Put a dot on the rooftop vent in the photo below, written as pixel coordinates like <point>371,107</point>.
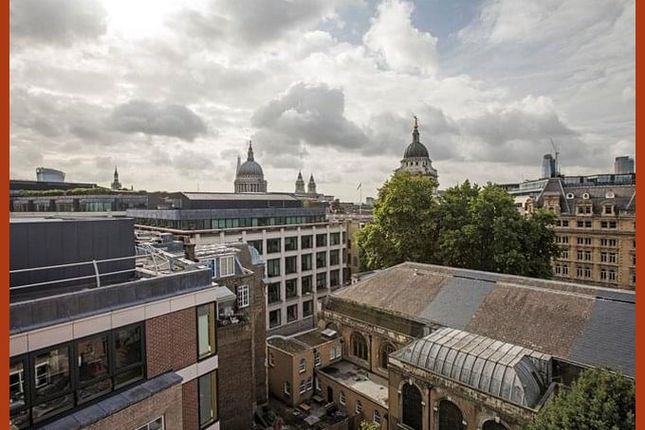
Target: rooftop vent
<point>329,333</point>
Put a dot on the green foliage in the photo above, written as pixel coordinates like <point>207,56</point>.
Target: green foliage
<point>467,226</point>
<point>370,425</point>
<point>599,400</point>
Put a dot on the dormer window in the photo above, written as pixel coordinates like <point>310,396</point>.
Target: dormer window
<point>227,266</point>
<point>608,210</point>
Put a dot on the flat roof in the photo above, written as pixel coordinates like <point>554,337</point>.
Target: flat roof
<point>314,338</point>
<point>287,344</point>
<point>238,196</point>
<point>360,380</point>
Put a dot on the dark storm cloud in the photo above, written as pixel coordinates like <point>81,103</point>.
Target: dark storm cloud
<point>56,22</point>
<point>312,114</point>
<point>139,116</point>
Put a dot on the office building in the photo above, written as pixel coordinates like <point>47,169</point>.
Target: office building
<point>303,251</point>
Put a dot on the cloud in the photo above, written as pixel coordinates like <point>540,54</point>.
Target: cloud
<point>308,113</point>
<point>139,116</point>
<point>403,47</point>
<point>56,22</point>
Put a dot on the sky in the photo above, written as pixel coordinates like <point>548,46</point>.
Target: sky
<point>171,92</point>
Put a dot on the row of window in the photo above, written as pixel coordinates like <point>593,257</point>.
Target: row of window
<point>291,243</point>
<point>274,289</point>
<point>222,224</point>
<point>588,241</point>
<point>274,266</point>
<point>275,316</point>
<point>585,272</point>
<point>47,382</point>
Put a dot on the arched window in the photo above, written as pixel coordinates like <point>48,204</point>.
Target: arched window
<point>492,425</point>
<point>450,417</point>
<point>359,346</point>
<point>411,413</point>
<point>386,349</point>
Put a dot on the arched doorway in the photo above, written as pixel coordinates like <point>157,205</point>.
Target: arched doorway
<point>492,425</point>
<point>450,417</point>
<point>411,409</point>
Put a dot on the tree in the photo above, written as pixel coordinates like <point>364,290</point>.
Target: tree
<point>404,223</point>
<point>467,226</point>
<point>370,425</point>
<point>598,400</point>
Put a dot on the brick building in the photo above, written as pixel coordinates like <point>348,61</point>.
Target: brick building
<point>596,225</point>
<point>102,336</point>
<point>436,348</point>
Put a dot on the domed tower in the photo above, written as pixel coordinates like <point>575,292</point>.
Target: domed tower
<point>416,159</point>
<point>116,185</point>
<point>311,186</point>
<point>300,184</point>
<point>249,177</point>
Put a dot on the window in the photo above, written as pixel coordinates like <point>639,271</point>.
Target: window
<point>205,330</point>
<point>608,209</point>
<point>341,398</point>
<point>580,254</point>
<point>358,408</point>
<point>612,257</point>
<point>584,210</point>
<point>306,284</point>
<point>587,224</point>
<point>207,387</point>
<point>558,269</point>
<point>562,239</point>
<point>286,388</point>
<point>386,349</point>
<point>321,259</point>
<point>335,352</point>
<point>565,223</point>
<point>603,274</point>
<point>291,243</point>
<point>305,262</point>
<point>271,359</point>
<point>612,275</point>
<point>274,292</point>
<point>242,296</point>
<point>321,240</point>
<point>227,266</point>
<point>157,424</point>
<point>317,360</point>
<point>377,416</point>
<point>307,308</point>
<point>359,346</point>
<point>273,267</point>
<point>292,313</point>
<point>128,345</point>
<point>587,272</point>
<point>306,242</point>
<point>302,366</point>
<point>334,278</point>
<point>291,265</point>
<point>274,318</point>
<point>611,243</point>
<point>334,257</point>
<point>17,387</point>
<point>587,255</point>
<point>321,280</point>
<point>564,254</point>
<point>274,245</point>
<point>565,270</point>
<point>291,287</point>
<point>302,388</point>
<point>334,239</point>
<point>257,244</point>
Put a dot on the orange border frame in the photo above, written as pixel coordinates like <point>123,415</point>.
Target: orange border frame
<point>4,232</point>
<point>640,207</point>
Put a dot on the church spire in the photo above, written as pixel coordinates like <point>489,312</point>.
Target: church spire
<point>249,156</point>
<point>300,183</point>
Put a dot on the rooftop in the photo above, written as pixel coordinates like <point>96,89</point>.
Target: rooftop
<point>287,344</point>
<point>360,380</point>
<point>504,370</point>
<point>579,323</point>
<point>315,338</point>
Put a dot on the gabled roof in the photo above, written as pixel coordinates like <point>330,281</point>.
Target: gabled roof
<point>590,325</point>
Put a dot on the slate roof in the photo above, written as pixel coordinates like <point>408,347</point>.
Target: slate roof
<point>584,324</point>
<point>498,368</point>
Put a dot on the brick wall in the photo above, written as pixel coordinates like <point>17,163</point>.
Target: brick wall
<point>166,403</point>
<point>190,406</point>
<point>171,342</point>
<point>236,381</point>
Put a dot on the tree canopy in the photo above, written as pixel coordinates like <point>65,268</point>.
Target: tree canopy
<point>598,400</point>
<point>467,226</point>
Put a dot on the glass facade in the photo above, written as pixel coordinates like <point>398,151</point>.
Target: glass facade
<point>206,320</point>
<point>48,382</point>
